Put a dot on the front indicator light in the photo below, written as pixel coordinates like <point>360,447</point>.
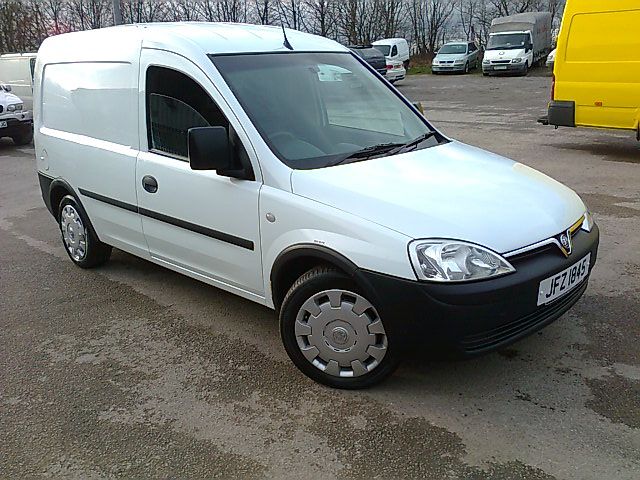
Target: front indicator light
<point>455,261</point>
<point>587,221</point>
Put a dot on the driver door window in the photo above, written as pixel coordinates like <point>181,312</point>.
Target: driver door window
<point>176,103</point>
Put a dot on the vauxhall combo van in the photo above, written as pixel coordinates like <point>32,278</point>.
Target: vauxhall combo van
<point>284,169</point>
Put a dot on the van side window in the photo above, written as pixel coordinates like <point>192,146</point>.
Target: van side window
<point>176,103</point>
<point>394,51</point>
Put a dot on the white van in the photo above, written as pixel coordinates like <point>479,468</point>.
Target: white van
<point>299,179</point>
<point>16,70</point>
<point>394,49</point>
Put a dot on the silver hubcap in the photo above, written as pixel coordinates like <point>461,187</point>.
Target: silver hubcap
<point>74,234</point>
<point>340,333</point>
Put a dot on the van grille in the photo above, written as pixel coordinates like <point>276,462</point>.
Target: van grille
<point>500,61</point>
<point>520,327</point>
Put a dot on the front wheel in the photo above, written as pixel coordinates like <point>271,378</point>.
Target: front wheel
<point>466,67</point>
<point>333,333</point>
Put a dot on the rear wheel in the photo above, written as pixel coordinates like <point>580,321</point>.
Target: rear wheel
<point>466,67</point>
<point>333,333</point>
<point>80,243</point>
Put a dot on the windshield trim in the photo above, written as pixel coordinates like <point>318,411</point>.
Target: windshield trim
<point>275,52</point>
<point>264,137</point>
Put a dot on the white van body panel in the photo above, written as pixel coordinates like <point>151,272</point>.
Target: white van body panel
<point>88,112</point>
<point>400,43</point>
<point>16,71</point>
<point>394,191</point>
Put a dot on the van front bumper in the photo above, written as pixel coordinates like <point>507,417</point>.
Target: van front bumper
<point>477,317</point>
<point>505,68</point>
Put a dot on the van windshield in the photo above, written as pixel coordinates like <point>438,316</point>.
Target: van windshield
<point>384,49</point>
<point>507,41</point>
<point>320,109</point>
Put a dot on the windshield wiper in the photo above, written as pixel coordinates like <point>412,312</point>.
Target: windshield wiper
<point>367,152</point>
<point>413,143</point>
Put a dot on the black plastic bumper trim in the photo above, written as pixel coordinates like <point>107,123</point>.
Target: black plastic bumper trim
<point>223,237</point>
<point>476,317</point>
<point>562,113</point>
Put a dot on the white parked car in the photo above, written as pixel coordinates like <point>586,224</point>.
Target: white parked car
<point>395,71</point>
<point>291,174</point>
<point>15,122</point>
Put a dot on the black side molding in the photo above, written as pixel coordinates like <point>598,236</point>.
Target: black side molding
<point>223,237</point>
<point>110,201</point>
<point>562,113</point>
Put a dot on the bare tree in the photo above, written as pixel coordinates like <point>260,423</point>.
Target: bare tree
<point>143,11</point>
<point>429,19</point>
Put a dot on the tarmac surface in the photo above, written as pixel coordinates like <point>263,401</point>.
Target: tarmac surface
<point>133,371</point>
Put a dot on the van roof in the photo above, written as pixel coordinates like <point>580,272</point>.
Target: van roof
<point>384,41</point>
<point>187,38</point>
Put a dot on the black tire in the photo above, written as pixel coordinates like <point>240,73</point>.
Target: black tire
<point>24,139</point>
<point>96,252</point>
<point>466,67</point>
<point>311,283</point>
<point>526,69</point>
<point>485,74</point>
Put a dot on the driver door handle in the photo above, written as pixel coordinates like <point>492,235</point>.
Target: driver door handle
<point>150,184</point>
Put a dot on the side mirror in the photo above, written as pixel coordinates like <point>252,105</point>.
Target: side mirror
<point>7,88</point>
<point>209,149</point>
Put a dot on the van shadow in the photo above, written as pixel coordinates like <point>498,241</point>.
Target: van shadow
<point>611,150</point>
<point>531,363</point>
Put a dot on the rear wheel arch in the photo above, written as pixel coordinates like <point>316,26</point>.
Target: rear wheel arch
<point>60,188</point>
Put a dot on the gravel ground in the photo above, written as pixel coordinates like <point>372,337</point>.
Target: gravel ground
<point>132,371</point>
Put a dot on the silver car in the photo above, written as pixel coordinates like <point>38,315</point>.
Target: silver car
<point>456,57</point>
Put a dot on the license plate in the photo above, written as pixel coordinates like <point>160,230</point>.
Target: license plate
<point>557,285</point>
<point>3,124</point>
<point>501,67</point>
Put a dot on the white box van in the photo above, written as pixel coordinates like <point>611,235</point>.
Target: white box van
<point>16,70</point>
<point>394,49</point>
<point>299,179</point>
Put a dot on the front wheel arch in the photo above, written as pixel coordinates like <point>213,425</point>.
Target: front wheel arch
<point>295,260</point>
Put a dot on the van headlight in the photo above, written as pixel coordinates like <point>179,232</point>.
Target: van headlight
<point>486,61</point>
<point>14,108</point>
<point>455,261</point>
<point>435,62</point>
<point>516,60</point>
<point>459,62</point>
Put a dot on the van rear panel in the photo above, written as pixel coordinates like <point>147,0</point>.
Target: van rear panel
<point>598,63</point>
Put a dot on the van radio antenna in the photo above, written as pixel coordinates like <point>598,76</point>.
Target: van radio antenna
<point>284,32</point>
<point>286,40</point>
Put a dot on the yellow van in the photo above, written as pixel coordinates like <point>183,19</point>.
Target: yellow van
<point>597,66</point>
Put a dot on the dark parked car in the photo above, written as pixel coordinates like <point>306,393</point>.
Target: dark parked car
<point>372,56</point>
